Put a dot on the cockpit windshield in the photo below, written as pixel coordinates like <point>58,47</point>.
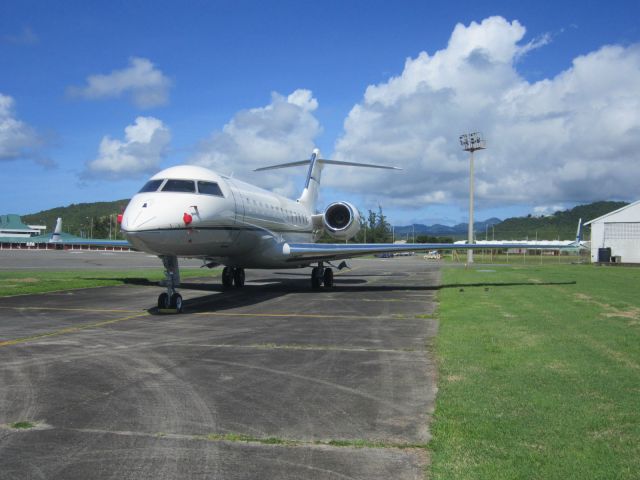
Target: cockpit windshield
<point>187,186</point>
<point>183,186</point>
<point>209,188</point>
<point>151,186</point>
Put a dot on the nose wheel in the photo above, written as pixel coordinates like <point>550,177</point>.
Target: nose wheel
<point>170,302</point>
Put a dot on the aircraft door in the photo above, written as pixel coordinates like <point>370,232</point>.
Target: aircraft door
<point>238,202</point>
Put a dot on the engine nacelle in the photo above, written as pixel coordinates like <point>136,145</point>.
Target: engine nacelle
<point>341,220</point>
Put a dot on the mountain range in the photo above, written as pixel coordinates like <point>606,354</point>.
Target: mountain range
<point>560,225</point>
<point>438,230</point>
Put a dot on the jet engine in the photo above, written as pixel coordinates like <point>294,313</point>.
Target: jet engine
<point>341,220</point>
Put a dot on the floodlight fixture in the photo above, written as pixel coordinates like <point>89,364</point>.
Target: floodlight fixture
<point>470,142</point>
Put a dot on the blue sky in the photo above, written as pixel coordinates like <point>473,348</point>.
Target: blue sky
<point>237,85</point>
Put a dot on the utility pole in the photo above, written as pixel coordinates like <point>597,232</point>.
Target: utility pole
<point>470,142</point>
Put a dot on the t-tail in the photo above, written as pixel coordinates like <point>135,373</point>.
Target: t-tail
<point>579,232</point>
<point>578,243</point>
<point>55,236</point>
<point>309,196</point>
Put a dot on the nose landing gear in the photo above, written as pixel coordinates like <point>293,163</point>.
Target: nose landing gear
<point>171,299</point>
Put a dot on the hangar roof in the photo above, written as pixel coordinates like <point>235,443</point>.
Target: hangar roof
<point>626,207</point>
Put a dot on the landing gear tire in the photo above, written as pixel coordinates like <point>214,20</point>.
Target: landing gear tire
<point>227,277</point>
<point>328,278</point>
<point>316,278</point>
<point>163,301</point>
<point>238,277</point>
<point>176,302</point>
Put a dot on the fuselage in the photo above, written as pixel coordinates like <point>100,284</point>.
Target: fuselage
<point>191,211</point>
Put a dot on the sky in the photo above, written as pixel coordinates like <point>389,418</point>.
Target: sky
<point>97,96</point>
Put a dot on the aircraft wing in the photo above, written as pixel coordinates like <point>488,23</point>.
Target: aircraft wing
<point>338,251</point>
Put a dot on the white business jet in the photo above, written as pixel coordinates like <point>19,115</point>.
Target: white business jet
<point>190,211</point>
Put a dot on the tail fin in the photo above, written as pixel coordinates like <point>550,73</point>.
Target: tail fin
<point>579,232</point>
<point>309,195</point>
<point>55,236</point>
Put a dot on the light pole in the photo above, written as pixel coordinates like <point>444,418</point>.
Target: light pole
<point>470,142</point>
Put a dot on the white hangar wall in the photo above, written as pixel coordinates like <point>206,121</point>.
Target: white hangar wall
<point>620,231</point>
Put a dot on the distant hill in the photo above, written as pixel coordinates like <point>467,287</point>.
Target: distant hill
<point>437,230</point>
<point>561,225</point>
<point>80,219</point>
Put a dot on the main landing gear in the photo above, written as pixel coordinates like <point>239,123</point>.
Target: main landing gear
<point>171,299</point>
<point>232,276</point>
<point>321,275</point>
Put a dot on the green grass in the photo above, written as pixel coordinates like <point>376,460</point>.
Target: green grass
<point>22,425</point>
<point>357,443</point>
<point>239,437</point>
<point>487,257</point>
<point>539,378</point>
<point>19,282</point>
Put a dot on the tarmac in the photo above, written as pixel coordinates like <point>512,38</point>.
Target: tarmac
<point>274,380</point>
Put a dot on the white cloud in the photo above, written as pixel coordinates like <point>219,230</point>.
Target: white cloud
<point>546,210</point>
<point>144,147</point>
<point>141,80</point>
<point>571,138</point>
<point>534,44</point>
<point>280,132</point>
<point>26,37</point>
<point>17,139</point>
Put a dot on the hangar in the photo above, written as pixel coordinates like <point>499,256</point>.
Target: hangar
<point>615,236</point>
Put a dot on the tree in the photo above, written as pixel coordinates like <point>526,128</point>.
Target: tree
<point>430,239</point>
<point>382,227</point>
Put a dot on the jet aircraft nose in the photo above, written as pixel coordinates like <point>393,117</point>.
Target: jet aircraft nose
<point>139,215</point>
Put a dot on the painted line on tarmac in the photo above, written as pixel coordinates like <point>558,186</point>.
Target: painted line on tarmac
<point>330,348</point>
<point>72,309</point>
<point>389,300</point>
<point>285,315</point>
<point>67,330</point>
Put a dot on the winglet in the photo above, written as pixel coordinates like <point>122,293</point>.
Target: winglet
<point>579,232</point>
<point>55,236</point>
<point>579,243</point>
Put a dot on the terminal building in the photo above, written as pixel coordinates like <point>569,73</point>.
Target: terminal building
<point>11,227</point>
<point>615,236</point>
<point>14,234</point>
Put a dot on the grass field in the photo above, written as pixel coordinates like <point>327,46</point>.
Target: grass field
<point>40,281</point>
<point>487,256</point>
<point>539,373</point>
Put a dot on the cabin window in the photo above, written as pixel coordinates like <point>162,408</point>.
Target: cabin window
<point>151,186</point>
<point>186,186</point>
<point>210,188</point>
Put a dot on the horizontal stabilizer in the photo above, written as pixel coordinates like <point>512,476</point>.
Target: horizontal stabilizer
<point>283,165</point>
<point>326,162</point>
<point>309,195</point>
